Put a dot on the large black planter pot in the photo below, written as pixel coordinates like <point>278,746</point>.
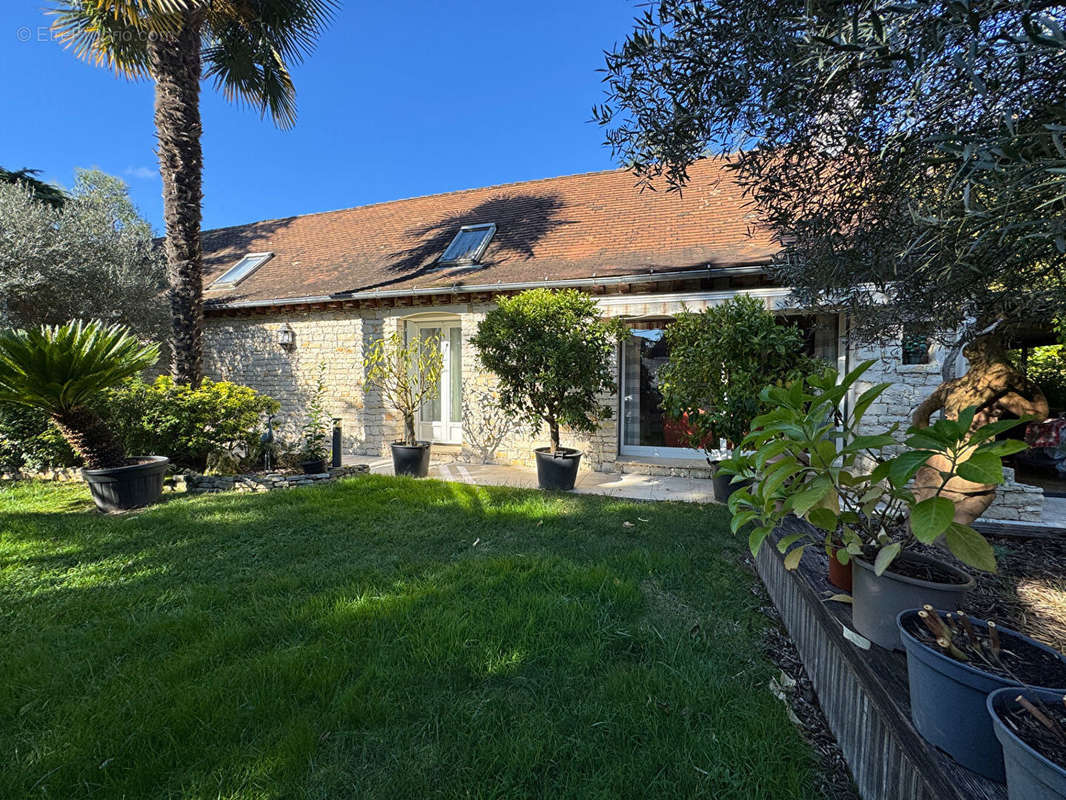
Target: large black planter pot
<point>1030,776</point>
<point>877,600</point>
<point>411,460</point>
<point>314,467</point>
<point>137,484</point>
<point>948,699</point>
<point>724,486</point>
<point>557,471</point>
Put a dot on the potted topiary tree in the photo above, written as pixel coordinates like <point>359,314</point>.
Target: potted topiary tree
<point>407,373</point>
<point>62,370</point>
<point>552,354</point>
<point>720,360</point>
<point>316,429</point>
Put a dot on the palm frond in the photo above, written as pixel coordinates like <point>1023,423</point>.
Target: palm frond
<point>57,368</point>
<point>251,46</point>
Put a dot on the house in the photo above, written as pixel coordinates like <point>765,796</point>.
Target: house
<point>285,295</point>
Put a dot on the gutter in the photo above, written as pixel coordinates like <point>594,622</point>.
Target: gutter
<point>613,280</point>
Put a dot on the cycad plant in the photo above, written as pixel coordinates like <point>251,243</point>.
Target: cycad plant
<point>246,48</point>
<point>61,369</point>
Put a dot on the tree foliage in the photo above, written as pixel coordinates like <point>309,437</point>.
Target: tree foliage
<point>407,374</point>
<point>91,257</point>
<point>552,355</point>
<point>45,192</point>
<point>903,152</point>
<point>720,360</point>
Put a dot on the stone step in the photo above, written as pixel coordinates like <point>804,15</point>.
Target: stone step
<point>666,468</point>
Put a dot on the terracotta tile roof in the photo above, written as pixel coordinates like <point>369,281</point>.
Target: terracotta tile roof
<point>574,226</point>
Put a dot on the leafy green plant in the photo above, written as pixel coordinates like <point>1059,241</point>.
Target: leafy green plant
<point>407,373</point>
<point>63,369</point>
<point>29,440</point>
<point>720,360</point>
<point>316,428</point>
<point>808,459</point>
<point>552,356</point>
<point>185,424</point>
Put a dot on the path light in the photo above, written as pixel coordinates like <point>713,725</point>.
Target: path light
<point>286,336</point>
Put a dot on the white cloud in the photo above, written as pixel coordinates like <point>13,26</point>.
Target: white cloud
<point>141,173</point>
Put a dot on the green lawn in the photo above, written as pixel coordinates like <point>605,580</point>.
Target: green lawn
<point>359,641</point>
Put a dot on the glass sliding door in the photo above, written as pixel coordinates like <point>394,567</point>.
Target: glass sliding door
<point>441,418</point>
<point>646,430</point>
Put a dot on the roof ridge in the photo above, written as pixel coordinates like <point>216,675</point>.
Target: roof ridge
<point>427,197</point>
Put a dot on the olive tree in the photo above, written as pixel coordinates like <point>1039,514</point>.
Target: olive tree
<point>89,257</point>
<point>553,357</point>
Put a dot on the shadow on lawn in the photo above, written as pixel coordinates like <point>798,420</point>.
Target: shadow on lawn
<point>351,640</point>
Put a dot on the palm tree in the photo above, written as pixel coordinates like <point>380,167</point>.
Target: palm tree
<point>60,369</point>
<point>246,49</point>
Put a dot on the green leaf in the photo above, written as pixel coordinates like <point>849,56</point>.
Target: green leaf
<point>742,519</point>
<point>885,556</point>
<point>1007,447</point>
<point>787,541</point>
<point>792,560</point>
<point>981,468</point>
<point>970,547</point>
<point>875,442</point>
<point>931,517</point>
<point>823,518</point>
<point>905,465</point>
<point>803,502</point>
<point>757,537</point>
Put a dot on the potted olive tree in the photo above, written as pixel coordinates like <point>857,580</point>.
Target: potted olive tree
<point>853,488</point>
<point>720,360</point>
<point>407,373</point>
<point>552,355</point>
<point>62,370</point>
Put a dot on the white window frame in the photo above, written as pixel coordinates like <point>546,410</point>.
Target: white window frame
<point>476,257</point>
<point>219,283</point>
<point>442,431</point>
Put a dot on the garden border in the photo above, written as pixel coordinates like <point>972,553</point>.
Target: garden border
<point>863,693</point>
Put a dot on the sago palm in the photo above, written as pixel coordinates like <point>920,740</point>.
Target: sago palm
<point>246,48</point>
<point>60,369</point>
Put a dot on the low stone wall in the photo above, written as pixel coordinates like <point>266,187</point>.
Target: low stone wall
<point>1016,501</point>
<point>194,483</point>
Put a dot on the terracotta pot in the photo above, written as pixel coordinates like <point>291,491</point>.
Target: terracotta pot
<point>839,574</point>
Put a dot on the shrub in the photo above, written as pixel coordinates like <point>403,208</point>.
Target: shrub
<point>720,360</point>
<point>552,355</point>
<point>29,440</point>
<point>316,426</point>
<point>185,424</point>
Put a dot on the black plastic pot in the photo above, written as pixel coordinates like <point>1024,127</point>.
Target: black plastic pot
<point>558,471</point>
<point>724,486</point>
<point>1030,776</point>
<point>137,484</point>
<point>411,460</point>
<point>948,700</point>
<point>877,600</point>
<point>314,467</point>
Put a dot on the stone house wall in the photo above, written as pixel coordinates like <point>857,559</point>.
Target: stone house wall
<point>246,350</point>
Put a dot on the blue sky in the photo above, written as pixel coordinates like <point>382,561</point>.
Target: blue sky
<point>401,98</point>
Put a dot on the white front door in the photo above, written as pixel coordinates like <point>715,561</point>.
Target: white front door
<point>441,419</point>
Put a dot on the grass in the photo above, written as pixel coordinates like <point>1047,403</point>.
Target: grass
<point>383,638</point>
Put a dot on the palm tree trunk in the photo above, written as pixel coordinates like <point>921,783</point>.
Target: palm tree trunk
<point>90,438</point>
<point>174,60</point>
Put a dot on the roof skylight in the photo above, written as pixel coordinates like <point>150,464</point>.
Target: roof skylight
<point>242,269</point>
<point>468,245</point>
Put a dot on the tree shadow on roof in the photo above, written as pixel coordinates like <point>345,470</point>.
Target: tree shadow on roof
<point>521,222</point>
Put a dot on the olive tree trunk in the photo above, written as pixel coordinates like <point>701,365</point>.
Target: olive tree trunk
<point>553,430</point>
<point>174,60</point>
<point>409,437</point>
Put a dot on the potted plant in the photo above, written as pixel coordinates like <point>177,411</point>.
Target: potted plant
<point>316,429</point>
<point>407,373</point>
<point>62,371</point>
<point>1031,727</point>
<point>720,360</point>
<point>808,459</point>
<point>953,663</point>
<point>552,355</point>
